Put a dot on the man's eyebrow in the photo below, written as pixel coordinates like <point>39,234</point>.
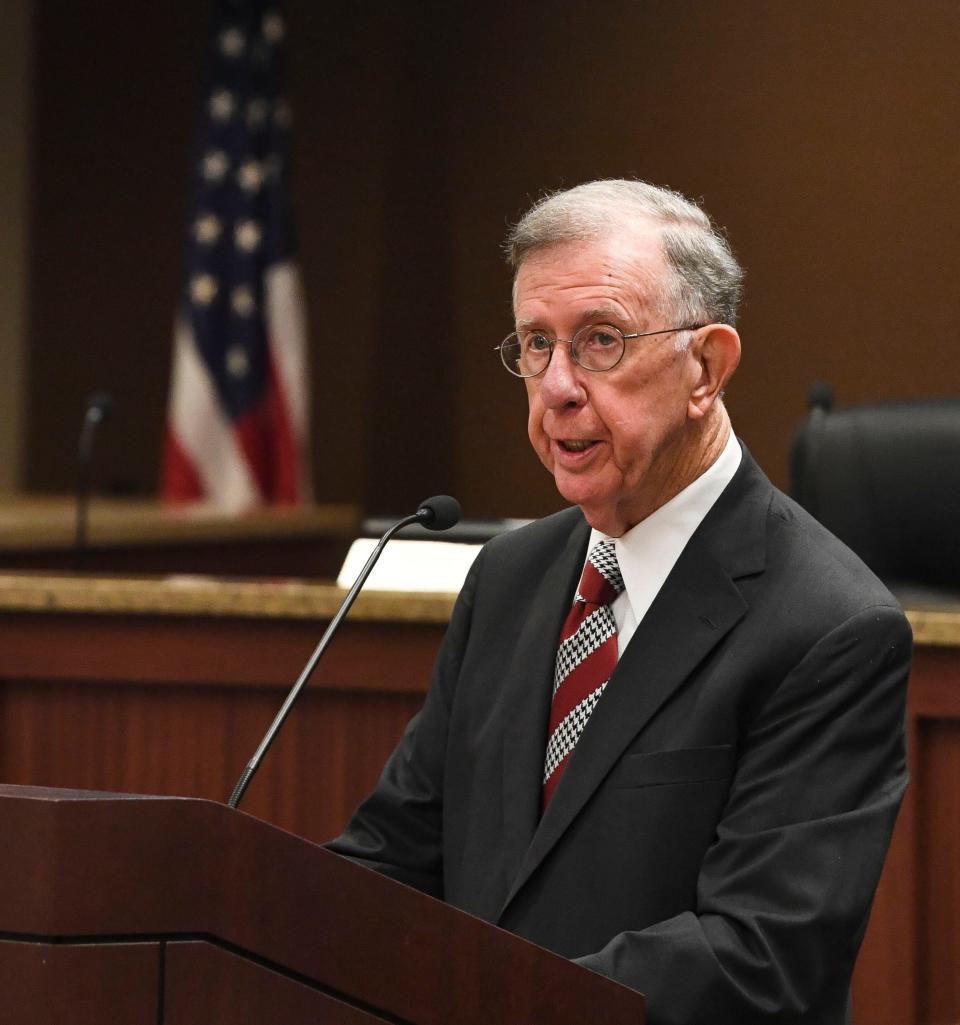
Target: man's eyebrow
<point>525,325</point>
<point>601,315</point>
<point>595,315</point>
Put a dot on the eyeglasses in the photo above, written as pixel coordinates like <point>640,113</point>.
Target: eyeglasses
<point>598,347</point>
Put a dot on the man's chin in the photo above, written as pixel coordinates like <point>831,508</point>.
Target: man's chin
<point>605,520</point>
<point>576,491</point>
<point>598,509</point>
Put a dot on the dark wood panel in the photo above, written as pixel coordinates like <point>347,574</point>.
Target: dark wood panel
<point>908,966</point>
<point>380,657</point>
<point>78,724</point>
<point>938,882</point>
<point>205,984</point>
<point>884,981</point>
<point>935,684</point>
<point>176,705</point>
<point>55,984</point>
<point>159,866</point>
<point>194,742</point>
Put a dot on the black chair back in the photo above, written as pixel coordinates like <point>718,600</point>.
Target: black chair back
<point>885,479</point>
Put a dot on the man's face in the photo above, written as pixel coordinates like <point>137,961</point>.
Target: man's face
<point>614,441</point>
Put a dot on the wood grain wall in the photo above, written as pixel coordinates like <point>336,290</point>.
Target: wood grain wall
<point>175,704</point>
<point>822,135</point>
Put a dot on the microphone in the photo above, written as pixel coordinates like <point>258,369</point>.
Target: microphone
<point>97,407</point>
<point>820,397</point>
<point>438,513</point>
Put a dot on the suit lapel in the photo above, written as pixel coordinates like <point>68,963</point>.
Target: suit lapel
<point>697,606</point>
<point>528,708</point>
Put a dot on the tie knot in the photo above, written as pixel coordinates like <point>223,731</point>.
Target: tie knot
<point>601,581</point>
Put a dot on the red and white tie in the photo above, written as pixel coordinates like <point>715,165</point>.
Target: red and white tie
<point>586,658</point>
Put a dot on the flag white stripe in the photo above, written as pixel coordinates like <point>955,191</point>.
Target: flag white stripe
<point>203,429</point>
<point>288,337</point>
<point>287,331</point>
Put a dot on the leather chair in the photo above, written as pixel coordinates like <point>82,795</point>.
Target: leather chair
<point>885,479</point>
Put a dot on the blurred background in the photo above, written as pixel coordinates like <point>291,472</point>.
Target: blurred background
<point>821,135</point>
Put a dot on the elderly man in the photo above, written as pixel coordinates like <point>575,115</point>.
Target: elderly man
<point>683,770</point>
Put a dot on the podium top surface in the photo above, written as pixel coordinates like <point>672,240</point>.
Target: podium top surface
<point>114,867</point>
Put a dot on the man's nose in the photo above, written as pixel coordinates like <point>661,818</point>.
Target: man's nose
<point>561,384</point>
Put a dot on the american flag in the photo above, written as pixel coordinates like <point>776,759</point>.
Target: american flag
<point>238,407</point>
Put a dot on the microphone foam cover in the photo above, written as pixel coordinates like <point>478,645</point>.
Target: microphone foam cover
<point>439,513</point>
<point>820,396</point>
<point>101,403</point>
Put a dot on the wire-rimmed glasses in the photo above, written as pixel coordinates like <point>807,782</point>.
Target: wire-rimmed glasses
<point>597,347</point>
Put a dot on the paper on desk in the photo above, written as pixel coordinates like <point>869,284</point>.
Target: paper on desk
<point>410,565</point>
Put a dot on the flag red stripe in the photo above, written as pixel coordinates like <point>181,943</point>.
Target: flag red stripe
<point>288,487</point>
<point>180,481</point>
<point>266,439</point>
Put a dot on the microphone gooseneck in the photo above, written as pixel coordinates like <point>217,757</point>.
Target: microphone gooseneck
<point>97,408</point>
<point>438,513</point>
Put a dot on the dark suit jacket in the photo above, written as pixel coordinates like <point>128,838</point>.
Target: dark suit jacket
<point>718,834</point>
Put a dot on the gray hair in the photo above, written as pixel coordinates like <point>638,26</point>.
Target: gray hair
<point>708,281</point>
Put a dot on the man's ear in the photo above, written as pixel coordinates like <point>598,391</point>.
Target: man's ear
<point>716,350</point>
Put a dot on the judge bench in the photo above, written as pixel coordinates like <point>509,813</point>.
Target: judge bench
<point>164,686</point>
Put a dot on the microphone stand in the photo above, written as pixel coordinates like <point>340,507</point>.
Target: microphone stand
<point>427,514</point>
<point>98,409</point>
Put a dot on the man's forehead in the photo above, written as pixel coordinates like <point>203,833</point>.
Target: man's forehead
<point>600,272</point>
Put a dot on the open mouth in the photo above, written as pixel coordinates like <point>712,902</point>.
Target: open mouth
<point>576,445</point>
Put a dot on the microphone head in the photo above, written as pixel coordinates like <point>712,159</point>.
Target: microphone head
<point>98,406</point>
<point>820,396</point>
<point>439,513</point>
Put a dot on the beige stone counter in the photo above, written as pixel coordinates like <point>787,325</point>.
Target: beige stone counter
<point>935,627</point>
<point>291,599</point>
<point>206,596</point>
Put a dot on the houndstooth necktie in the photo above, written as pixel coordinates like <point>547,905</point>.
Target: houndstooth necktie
<point>586,658</point>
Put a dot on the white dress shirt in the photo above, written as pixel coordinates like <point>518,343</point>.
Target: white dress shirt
<point>648,551</point>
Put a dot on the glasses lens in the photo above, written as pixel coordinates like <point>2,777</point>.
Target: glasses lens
<point>526,356</point>
<point>598,347</point>
<point>510,354</point>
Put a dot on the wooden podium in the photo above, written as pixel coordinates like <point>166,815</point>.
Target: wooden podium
<point>117,908</point>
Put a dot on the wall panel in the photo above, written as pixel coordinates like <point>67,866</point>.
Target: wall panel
<point>819,134</point>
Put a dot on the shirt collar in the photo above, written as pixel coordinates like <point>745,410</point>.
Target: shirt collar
<point>648,551</point>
